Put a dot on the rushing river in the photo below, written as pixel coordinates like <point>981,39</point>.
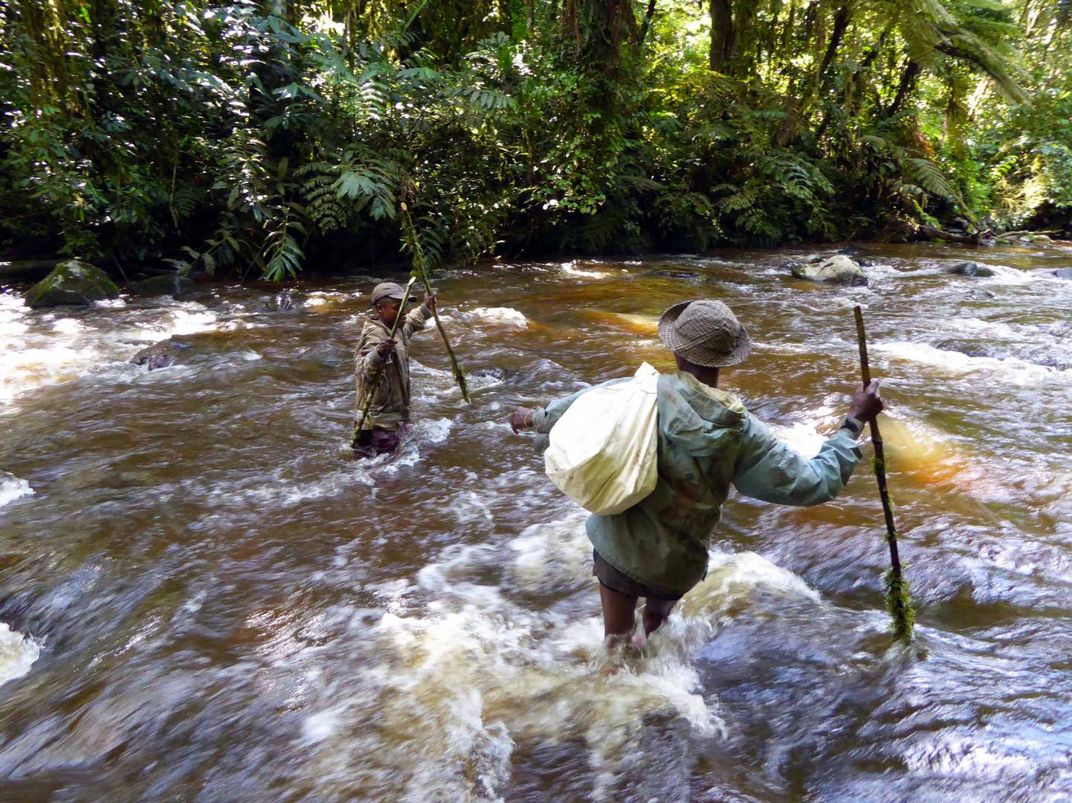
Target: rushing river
<point>202,598</point>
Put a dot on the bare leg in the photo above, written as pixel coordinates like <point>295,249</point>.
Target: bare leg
<point>618,614</point>
<point>656,612</point>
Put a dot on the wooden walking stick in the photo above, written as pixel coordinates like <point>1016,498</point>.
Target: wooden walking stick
<point>898,601</point>
<point>420,270</point>
<point>374,381</point>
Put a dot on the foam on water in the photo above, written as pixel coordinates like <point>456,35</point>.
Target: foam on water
<point>733,575</point>
<point>507,316</point>
<point>326,299</point>
<point>571,269</point>
<point>991,329</point>
<point>1004,275</point>
<point>12,488</point>
<point>17,653</point>
<point>1012,370</point>
<point>41,348</point>
<point>463,676</point>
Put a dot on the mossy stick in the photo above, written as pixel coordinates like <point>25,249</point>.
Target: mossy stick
<point>420,270</point>
<point>898,600</point>
<point>374,380</point>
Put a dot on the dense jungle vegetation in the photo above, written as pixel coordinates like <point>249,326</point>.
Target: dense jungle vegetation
<point>275,136</point>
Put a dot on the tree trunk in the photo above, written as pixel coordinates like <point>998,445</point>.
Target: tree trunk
<point>908,85</point>
<point>721,35</point>
<point>648,15</point>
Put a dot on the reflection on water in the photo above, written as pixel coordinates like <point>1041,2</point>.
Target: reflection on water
<point>205,598</point>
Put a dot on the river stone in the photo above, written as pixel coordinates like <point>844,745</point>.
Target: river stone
<point>497,373</point>
<point>838,269</point>
<point>970,269</point>
<point>688,275</point>
<point>72,282</point>
<point>969,348</point>
<point>171,284</point>
<point>159,355</point>
<point>287,300</point>
<point>1063,273</point>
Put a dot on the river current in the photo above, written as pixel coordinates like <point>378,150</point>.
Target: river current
<point>203,598</point>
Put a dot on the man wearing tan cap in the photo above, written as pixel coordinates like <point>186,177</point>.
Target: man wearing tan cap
<point>384,361</point>
<point>707,441</point>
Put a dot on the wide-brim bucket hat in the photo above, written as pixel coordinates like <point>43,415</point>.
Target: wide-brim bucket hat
<point>705,332</point>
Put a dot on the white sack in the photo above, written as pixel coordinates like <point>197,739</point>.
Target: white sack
<point>604,452</point>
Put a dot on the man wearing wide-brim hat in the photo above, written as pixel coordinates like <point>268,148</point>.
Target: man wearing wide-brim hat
<point>381,362</point>
<point>706,441</point>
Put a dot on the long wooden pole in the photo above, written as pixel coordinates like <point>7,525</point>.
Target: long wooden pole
<point>420,270</point>
<point>374,381</point>
<point>898,601</point>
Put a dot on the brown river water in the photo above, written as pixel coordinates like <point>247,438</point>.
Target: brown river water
<point>202,598</point>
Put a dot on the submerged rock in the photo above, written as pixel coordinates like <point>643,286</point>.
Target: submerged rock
<point>838,269</point>
<point>497,373</point>
<point>285,301</point>
<point>970,269</point>
<point>72,282</point>
<point>667,273</point>
<point>1063,273</point>
<point>171,284</point>
<point>969,348</point>
<point>159,355</point>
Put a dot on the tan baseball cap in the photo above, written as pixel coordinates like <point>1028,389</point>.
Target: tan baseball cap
<point>388,290</point>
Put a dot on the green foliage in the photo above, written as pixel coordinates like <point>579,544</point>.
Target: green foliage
<point>261,136</point>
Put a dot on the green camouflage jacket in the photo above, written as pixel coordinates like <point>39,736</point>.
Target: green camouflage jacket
<point>390,400</point>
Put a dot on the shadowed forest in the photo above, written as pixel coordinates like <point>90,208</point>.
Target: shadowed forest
<point>267,138</point>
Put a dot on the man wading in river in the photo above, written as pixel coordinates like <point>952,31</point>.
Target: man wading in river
<point>384,360</point>
<point>707,440</point>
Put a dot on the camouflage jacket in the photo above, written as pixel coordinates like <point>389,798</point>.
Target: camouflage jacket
<point>390,399</point>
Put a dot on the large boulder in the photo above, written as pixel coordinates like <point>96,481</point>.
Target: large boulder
<point>72,282</point>
<point>970,269</point>
<point>838,269</point>
<point>170,284</point>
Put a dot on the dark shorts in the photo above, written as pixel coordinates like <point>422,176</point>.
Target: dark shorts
<point>616,581</point>
<point>373,442</point>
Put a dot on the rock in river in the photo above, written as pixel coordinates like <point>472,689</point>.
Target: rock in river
<point>838,269</point>
<point>72,282</point>
<point>169,284</point>
<point>159,355</point>
<point>970,269</point>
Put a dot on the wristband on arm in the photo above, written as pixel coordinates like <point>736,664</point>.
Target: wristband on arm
<point>853,425</point>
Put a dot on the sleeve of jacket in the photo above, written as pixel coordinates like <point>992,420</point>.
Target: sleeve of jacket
<point>767,468</point>
<point>415,321</point>
<point>366,358</point>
